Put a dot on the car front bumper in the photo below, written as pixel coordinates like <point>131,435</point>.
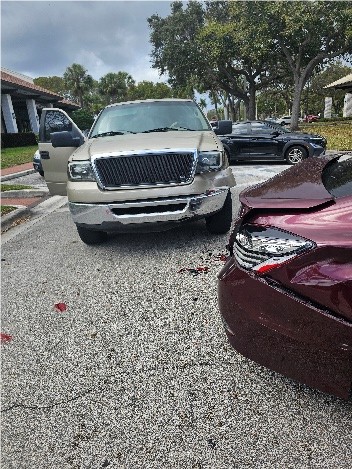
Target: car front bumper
<point>286,333</point>
<point>150,214</point>
<point>317,150</point>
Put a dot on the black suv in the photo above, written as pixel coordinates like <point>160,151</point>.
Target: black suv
<point>262,140</point>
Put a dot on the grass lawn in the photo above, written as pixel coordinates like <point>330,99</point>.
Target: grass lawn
<point>13,187</point>
<point>18,155</point>
<point>6,209</point>
<point>338,134</point>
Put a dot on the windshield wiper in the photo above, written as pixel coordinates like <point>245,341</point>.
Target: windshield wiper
<point>159,129</point>
<point>111,132</point>
<point>165,129</point>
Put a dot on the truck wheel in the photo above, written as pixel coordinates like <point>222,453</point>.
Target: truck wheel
<point>220,222</point>
<point>296,154</point>
<point>91,236</point>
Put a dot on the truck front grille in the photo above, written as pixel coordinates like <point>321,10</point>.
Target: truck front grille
<point>145,169</point>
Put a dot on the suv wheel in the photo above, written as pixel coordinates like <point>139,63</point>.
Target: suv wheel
<point>91,236</point>
<point>296,154</point>
<point>220,222</point>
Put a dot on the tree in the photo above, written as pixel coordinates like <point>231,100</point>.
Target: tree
<point>150,90</point>
<point>219,46</point>
<point>306,35</point>
<point>83,118</point>
<point>115,86</point>
<point>174,44</point>
<point>54,83</point>
<point>78,82</point>
<point>209,50</point>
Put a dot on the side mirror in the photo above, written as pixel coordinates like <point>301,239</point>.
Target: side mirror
<point>275,133</point>
<point>64,139</point>
<point>223,128</point>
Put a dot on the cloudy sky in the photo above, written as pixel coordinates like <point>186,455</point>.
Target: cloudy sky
<point>42,38</point>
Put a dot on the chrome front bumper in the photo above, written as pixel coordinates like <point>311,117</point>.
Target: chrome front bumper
<point>168,211</point>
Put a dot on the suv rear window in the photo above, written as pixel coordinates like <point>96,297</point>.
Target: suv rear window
<point>337,176</point>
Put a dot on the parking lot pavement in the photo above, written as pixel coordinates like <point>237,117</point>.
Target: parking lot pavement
<point>137,371</point>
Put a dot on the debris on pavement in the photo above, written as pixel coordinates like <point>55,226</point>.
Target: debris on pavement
<point>5,337</point>
<point>60,307</point>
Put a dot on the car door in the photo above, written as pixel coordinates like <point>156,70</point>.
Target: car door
<point>239,141</point>
<point>263,141</point>
<point>54,160</point>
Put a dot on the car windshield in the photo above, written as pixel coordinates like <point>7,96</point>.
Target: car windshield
<point>150,116</point>
<point>337,176</point>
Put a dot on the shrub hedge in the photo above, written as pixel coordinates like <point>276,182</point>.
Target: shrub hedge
<point>24,139</point>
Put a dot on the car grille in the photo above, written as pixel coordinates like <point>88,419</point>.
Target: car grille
<point>248,259</point>
<point>145,169</point>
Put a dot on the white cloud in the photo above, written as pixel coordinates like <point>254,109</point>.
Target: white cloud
<point>43,38</point>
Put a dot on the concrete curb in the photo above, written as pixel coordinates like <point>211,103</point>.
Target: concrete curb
<point>10,218</point>
<point>8,177</point>
<point>24,193</point>
<point>33,215</point>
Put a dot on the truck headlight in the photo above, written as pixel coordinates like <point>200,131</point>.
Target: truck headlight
<point>208,161</point>
<point>80,171</point>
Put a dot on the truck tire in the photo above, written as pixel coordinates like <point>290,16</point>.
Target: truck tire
<point>91,236</point>
<point>221,221</point>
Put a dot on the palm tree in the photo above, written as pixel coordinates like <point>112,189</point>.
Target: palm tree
<point>115,86</point>
<point>78,82</point>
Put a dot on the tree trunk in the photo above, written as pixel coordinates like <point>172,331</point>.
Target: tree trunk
<point>236,110</point>
<point>299,84</point>
<point>251,101</point>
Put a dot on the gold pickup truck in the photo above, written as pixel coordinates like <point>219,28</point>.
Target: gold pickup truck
<point>144,165</point>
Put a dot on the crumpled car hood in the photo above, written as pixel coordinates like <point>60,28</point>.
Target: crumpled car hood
<point>300,186</point>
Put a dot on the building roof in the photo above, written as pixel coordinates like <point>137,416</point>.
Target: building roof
<point>342,83</point>
<point>20,86</point>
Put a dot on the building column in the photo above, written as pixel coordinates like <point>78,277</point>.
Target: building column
<point>9,114</point>
<point>33,115</point>
<point>328,108</point>
<point>347,105</point>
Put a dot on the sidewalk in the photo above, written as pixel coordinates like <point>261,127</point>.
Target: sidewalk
<point>23,200</point>
<point>15,170</point>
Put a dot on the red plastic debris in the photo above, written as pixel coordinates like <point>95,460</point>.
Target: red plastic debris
<point>195,271</point>
<point>60,307</point>
<point>5,337</point>
<point>202,269</point>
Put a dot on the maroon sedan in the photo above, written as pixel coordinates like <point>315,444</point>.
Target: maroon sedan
<point>285,293</point>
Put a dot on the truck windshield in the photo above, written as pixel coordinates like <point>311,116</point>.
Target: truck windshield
<point>150,116</point>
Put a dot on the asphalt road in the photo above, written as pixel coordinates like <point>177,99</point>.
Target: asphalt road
<point>137,372</point>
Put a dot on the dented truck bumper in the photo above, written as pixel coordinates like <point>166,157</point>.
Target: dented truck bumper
<point>158,214</point>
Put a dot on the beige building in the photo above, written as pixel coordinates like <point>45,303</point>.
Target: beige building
<point>344,83</point>
<point>22,101</point>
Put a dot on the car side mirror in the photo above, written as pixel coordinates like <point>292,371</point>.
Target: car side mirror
<point>275,133</point>
<point>64,139</point>
<point>223,128</point>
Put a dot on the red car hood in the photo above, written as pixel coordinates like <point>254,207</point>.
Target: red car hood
<point>300,186</point>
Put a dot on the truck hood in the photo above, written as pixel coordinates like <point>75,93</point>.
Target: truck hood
<point>148,142</point>
<point>300,186</point>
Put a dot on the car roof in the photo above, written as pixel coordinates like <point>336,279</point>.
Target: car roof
<point>251,122</point>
